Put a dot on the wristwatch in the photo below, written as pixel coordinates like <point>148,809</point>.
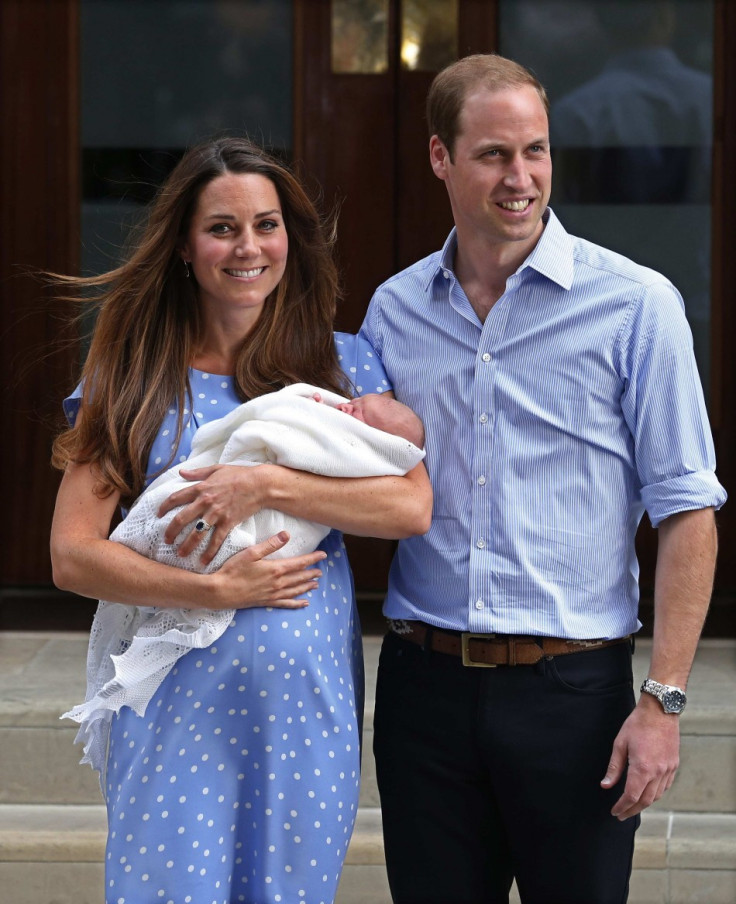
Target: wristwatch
<point>672,698</point>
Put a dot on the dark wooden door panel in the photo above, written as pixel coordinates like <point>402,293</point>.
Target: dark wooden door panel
<point>40,228</point>
<point>344,138</point>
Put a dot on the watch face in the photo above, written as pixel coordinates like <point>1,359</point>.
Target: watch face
<point>673,701</point>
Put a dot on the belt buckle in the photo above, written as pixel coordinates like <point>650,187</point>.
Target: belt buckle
<point>465,639</point>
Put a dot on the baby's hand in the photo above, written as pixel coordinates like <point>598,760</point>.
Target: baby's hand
<point>317,397</point>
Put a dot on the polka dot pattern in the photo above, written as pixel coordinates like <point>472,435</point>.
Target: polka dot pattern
<point>240,783</point>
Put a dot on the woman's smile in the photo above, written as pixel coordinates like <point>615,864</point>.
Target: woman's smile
<point>237,245</point>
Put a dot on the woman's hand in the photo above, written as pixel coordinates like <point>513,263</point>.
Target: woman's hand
<point>248,579</point>
<point>87,563</point>
<point>222,496</point>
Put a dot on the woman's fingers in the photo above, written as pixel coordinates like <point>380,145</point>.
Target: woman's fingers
<point>278,604</point>
<point>258,580</point>
<point>186,495</point>
<point>222,495</point>
<point>197,473</point>
<point>290,598</point>
<point>178,499</point>
<point>271,545</point>
<point>215,537</point>
<point>209,537</point>
<point>188,512</point>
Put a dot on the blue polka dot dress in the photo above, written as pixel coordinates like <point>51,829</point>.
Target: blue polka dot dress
<point>240,782</point>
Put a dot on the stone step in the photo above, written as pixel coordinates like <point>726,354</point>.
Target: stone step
<point>42,675</point>
<point>53,854</point>
<point>52,826</point>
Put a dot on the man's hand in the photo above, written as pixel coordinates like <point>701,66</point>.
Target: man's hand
<point>649,741</point>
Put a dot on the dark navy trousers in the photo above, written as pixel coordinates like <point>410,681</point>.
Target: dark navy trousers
<point>491,775</point>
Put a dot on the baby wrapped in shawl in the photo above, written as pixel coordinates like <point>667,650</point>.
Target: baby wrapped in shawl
<point>132,648</point>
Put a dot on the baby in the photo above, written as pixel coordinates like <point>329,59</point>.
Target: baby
<point>132,648</point>
<point>384,413</point>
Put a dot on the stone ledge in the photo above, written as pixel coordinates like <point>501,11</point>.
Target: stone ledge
<point>366,845</point>
<point>63,833</point>
<point>686,841</point>
<point>76,833</point>
<point>43,674</point>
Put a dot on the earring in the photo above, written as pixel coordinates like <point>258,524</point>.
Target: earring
<point>186,269</point>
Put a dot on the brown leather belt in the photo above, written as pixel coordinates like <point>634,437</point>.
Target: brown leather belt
<point>491,650</point>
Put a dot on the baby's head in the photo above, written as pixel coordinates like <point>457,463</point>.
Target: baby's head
<point>385,413</point>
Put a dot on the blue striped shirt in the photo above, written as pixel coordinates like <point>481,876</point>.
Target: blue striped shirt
<point>550,428</point>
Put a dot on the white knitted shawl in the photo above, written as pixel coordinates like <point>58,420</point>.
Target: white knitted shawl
<point>133,648</point>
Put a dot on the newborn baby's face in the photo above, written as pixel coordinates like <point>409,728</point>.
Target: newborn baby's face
<point>370,409</point>
<point>355,408</point>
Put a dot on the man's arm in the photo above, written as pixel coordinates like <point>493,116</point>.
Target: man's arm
<point>649,740</point>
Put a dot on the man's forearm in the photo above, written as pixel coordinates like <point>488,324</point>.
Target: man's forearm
<point>649,740</point>
<point>683,585</point>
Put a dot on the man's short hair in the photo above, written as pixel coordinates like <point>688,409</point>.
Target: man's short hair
<point>452,85</point>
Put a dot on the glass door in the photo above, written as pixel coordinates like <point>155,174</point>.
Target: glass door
<point>158,77</point>
<point>631,124</point>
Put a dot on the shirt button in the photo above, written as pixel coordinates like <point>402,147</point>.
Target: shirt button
<point>446,274</point>
<point>486,357</point>
<point>479,604</point>
<point>483,418</point>
<point>482,480</point>
<point>480,543</point>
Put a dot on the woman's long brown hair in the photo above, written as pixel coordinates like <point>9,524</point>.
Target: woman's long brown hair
<point>149,324</point>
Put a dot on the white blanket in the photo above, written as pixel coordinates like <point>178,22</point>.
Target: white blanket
<point>133,648</point>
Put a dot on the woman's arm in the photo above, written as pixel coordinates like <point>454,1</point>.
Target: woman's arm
<point>86,562</point>
<point>387,507</point>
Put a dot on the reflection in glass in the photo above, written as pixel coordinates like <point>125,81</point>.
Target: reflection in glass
<point>158,77</point>
<point>631,129</point>
<point>359,36</point>
<point>428,34</point>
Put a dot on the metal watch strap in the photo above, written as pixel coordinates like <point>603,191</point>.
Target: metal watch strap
<point>650,686</point>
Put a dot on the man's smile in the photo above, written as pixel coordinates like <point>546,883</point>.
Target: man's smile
<point>515,205</point>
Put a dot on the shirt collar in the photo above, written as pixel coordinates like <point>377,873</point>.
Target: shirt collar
<point>445,261</point>
<point>552,256</point>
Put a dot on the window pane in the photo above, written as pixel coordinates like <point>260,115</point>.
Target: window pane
<point>159,75</point>
<point>631,127</point>
<point>428,34</point>
<point>360,36</point>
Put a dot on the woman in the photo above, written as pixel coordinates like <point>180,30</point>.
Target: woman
<point>240,783</point>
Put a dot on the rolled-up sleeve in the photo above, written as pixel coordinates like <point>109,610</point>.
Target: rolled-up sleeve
<point>664,407</point>
<point>696,490</point>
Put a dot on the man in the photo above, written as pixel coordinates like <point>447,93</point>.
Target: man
<point>559,392</point>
